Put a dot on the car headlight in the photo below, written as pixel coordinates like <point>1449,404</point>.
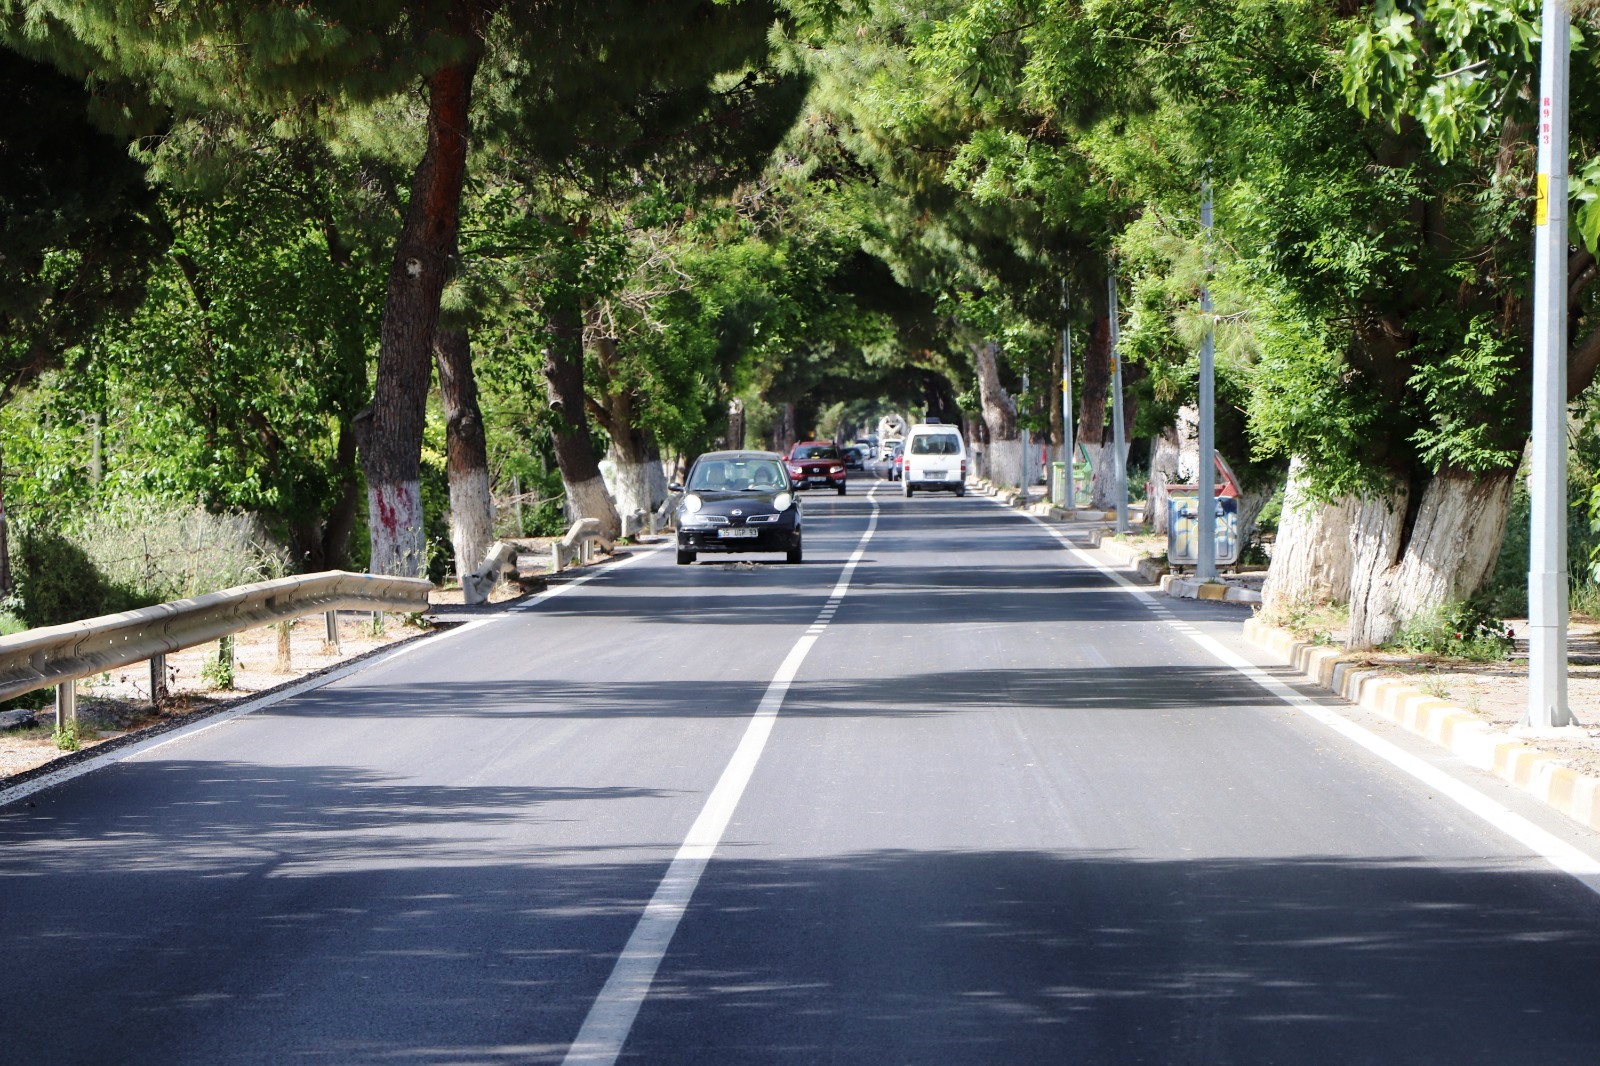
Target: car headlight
<point>836,470</point>
<point>692,503</point>
<point>782,501</point>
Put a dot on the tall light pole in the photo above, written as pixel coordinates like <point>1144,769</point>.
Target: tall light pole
<point>1547,484</point>
<point>1205,566</point>
<point>1119,458</point>
<point>1066,397</point>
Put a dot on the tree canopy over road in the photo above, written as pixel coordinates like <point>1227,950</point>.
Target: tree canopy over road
<point>363,270</point>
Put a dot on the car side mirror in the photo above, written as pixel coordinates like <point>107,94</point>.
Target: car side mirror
<point>675,487</point>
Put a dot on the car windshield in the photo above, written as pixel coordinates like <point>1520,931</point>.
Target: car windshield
<point>816,451</point>
<point>936,444</point>
<point>737,475</point>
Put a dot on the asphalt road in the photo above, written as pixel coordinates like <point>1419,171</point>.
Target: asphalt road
<point>1004,813</point>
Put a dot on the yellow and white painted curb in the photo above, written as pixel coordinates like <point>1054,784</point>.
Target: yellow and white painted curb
<point>1539,773</point>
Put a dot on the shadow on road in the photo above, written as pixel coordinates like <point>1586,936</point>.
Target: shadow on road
<point>313,938</point>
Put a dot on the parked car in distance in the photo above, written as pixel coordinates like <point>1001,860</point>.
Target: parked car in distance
<point>816,464</point>
<point>738,502</point>
<point>935,458</point>
<point>855,457</point>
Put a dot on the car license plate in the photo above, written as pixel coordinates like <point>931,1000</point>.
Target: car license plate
<point>729,534</point>
<point>936,475</point>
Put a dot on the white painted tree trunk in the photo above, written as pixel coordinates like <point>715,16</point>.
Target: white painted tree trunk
<point>1313,555</point>
<point>471,521</point>
<point>395,518</point>
<point>1449,555</point>
<point>656,471</point>
<point>1005,462</point>
<point>1164,472</point>
<point>1103,482</point>
<point>589,499</point>
<point>631,483</point>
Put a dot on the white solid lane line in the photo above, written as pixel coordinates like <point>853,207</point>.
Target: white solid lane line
<point>605,1029</point>
<point>1575,862</point>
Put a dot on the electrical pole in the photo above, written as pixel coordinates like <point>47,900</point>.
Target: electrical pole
<point>1066,397</point>
<point>1547,483</point>
<point>1205,566</point>
<point>1119,458</point>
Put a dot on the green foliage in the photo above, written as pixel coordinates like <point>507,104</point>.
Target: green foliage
<point>66,736</point>
<point>156,551</point>
<point>1460,630</point>
<point>55,580</point>
<point>218,672</point>
<point>77,222</point>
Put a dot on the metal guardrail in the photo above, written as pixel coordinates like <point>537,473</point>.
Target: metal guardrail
<point>59,655</point>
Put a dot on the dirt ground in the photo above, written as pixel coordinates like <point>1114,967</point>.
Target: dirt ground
<point>1497,692</point>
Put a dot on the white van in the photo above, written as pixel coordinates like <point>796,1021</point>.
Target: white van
<point>935,458</point>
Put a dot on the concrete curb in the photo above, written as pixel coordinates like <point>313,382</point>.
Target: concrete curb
<point>1538,773</point>
<point>1190,588</point>
<point>1149,570</point>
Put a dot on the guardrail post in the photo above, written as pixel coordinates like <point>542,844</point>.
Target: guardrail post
<point>333,630</point>
<point>158,678</point>
<point>285,646</point>
<point>66,704</point>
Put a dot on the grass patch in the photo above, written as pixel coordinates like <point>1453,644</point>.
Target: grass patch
<point>1463,630</point>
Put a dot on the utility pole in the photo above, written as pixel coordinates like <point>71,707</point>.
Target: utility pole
<point>1119,455</point>
<point>1547,483</point>
<point>1067,434</point>
<point>1205,566</point>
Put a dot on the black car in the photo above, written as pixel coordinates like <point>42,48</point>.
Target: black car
<point>738,502</point>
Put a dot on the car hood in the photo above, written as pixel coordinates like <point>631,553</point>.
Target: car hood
<point>723,502</point>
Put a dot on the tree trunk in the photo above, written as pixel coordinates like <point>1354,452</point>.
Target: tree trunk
<point>629,458</point>
<point>656,472</point>
<point>1313,556</point>
<point>5,535</point>
<point>466,453</point>
<point>342,516</point>
<point>1094,427</point>
<point>1447,556</point>
<point>580,471</point>
<point>1003,455</point>
<point>1057,427</point>
<point>735,423</point>
<point>391,445</point>
<point>783,428</point>
<point>1164,472</point>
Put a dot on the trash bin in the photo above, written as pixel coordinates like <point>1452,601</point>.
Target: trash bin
<point>1058,485</point>
<point>1183,528</point>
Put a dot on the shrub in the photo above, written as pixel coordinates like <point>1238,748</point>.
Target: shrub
<point>161,551</point>
<point>1464,630</point>
<point>56,581</point>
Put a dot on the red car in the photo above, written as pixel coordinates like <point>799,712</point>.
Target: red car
<point>816,464</point>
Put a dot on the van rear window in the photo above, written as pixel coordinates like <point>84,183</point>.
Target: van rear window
<point>936,444</point>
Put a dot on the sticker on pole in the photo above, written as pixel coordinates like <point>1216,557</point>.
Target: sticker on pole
<point>1541,209</point>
